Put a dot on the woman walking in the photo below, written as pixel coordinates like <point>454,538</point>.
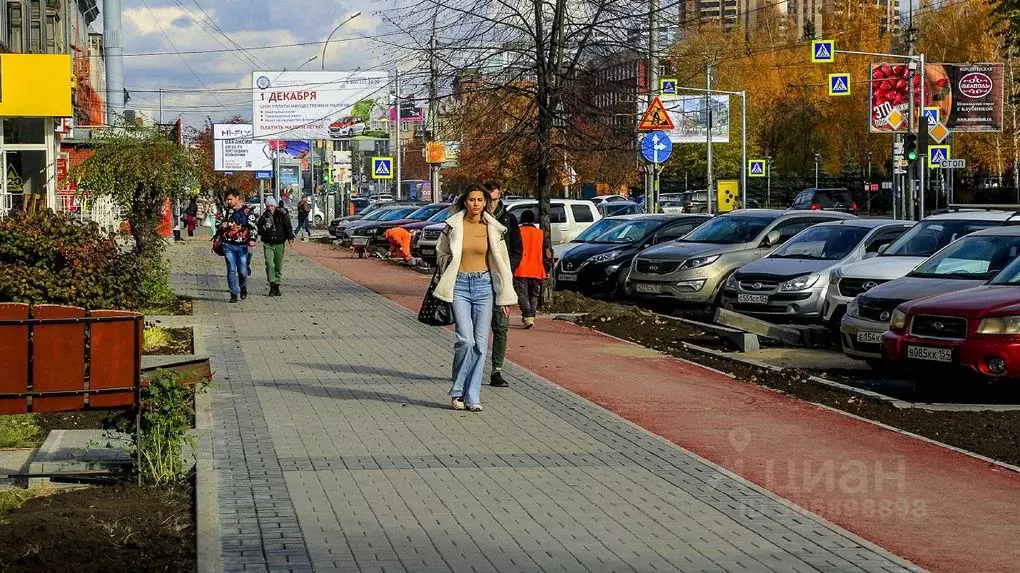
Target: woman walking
<point>475,276</point>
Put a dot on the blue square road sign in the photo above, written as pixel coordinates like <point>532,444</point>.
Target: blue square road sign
<point>756,168</point>
<point>382,168</point>
<point>823,51</point>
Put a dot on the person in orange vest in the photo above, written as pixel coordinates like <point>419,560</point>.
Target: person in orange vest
<point>532,270</point>
<point>400,242</point>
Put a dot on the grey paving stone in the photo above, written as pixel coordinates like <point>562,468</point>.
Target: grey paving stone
<point>335,450</point>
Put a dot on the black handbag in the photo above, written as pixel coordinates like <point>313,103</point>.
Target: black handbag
<point>435,312</point>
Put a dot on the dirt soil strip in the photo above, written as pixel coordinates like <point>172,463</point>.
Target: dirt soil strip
<point>940,509</point>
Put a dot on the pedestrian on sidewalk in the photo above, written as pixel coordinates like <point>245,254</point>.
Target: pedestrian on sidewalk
<point>192,216</point>
<point>303,212</point>
<point>475,274</point>
<point>275,231</point>
<point>237,231</point>
<point>530,273</point>
<point>501,322</point>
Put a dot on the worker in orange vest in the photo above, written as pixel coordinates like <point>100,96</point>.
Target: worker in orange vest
<point>400,242</point>
<point>532,270</point>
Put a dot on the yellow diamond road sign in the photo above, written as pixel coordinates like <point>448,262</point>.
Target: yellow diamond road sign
<point>939,132</point>
<point>895,119</point>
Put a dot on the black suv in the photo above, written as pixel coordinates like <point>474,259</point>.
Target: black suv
<point>812,199</point>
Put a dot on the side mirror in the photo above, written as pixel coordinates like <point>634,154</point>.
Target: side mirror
<point>869,256</point>
<point>771,240</point>
<point>883,248</point>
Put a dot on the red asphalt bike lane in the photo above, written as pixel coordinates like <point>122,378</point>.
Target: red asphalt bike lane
<point>940,509</point>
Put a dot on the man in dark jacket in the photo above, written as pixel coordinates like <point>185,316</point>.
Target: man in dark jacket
<point>500,321</point>
<point>275,230</point>
<point>237,231</point>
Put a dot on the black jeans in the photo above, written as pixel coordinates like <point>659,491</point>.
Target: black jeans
<point>528,291</point>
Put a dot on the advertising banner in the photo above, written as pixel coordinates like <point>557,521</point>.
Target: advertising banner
<point>35,85</point>
<point>969,97</point>
<point>690,118</point>
<point>313,105</point>
<point>235,150</point>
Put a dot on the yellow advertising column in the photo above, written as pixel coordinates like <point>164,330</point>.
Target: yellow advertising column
<point>35,93</point>
<point>728,192</point>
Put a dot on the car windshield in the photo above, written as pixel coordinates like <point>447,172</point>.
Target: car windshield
<point>822,243</point>
<point>610,209</point>
<point>927,237</point>
<point>397,214</point>
<point>441,216</point>
<point>596,229</point>
<point>376,215</point>
<point>971,258</point>
<point>729,230</point>
<point>425,212</point>
<point>630,232</point>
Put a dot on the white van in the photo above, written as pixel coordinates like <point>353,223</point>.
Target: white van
<point>567,217</point>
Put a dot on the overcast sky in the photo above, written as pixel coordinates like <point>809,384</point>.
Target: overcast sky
<point>179,25</point>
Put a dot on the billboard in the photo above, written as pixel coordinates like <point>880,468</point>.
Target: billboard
<point>969,97</point>
<point>690,118</point>
<point>235,150</point>
<point>312,105</point>
<point>35,85</point>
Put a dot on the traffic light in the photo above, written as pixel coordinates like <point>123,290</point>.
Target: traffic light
<point>910,147</point>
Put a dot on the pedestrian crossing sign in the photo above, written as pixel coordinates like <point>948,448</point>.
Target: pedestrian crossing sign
<point>937,155</point>
<point>839,84</point>
<point>667,86</point>
<point>382,168</point>
<point>756,168</point>
<point>932,113</point>
<point>823,51</point>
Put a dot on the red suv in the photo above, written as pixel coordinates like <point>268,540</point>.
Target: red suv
<point>976,330</point>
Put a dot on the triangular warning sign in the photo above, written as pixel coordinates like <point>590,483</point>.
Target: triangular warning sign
<point>382,168</point>
<point>757,168</point>
<point>655,117</point>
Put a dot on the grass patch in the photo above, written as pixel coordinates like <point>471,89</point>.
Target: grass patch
<point>154,337</point>
<point>11,498</point>
<point>19,431</point>
<point>181,306</point>
<point>159,340</point>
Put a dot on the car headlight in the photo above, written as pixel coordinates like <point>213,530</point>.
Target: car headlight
<point>731,282</point>
<point>898,321</point>
<point>853,309</point>
<point>799,283</point>
<point>999,325</point>
<point>605,257</point>
<point>699,262</point>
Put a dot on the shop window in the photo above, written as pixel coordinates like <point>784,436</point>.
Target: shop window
<point>15,26</point>
<point>24,130</point>
<point>25,178</point>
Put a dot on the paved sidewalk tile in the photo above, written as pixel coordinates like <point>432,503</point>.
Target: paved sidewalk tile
<point>335,450</point>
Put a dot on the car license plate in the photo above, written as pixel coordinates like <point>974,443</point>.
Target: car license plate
<point>869,337</point>
<point>753,298</point>
<point>648,288</point>
<point>930,354</point>
<point>567,277</point>
<point>427,251</point>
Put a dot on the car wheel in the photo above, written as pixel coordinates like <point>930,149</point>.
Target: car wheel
<point>620,288</point>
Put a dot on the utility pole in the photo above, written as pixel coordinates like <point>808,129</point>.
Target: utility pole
<point>398,156</point>
<point>708,105</point>
<point>433,99</point>
<point>743,149</point>
<point>653,87</point>
<point>161,105</point>
<point>908,194</point>
<point>768,182</point>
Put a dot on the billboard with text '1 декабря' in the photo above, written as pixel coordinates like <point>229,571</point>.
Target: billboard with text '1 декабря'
<point>969,97</point>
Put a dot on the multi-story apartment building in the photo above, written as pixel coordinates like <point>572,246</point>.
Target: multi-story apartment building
<point>800,14</point>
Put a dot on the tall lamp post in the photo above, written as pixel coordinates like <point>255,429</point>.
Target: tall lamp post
<point>322,61</point>
<point>817,157</point>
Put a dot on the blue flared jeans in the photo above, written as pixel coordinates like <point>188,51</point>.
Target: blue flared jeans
<point>472,312</point>
<point>237,266</point>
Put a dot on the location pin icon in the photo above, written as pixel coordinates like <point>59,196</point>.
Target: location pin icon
<point>740,438</point>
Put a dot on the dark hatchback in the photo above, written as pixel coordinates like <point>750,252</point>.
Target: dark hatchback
<point>377,228</point>
<point>600,266</point>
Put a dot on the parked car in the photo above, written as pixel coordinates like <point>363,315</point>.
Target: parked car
<point>976,331</point>
<point>812,199</point>
<point>424,244</point>
<point>376,229</point>
<point>416,227</point>
<point>963,264</point>
<point>693,270</point>
<point>614,208</point>
<point>340,230</point>
<point>695,201</point>
<point>600,199</point>
<point>791,282</point>
<point>601,265</point>
<point>360,204</point>
<point>589,234</point>
<point>671,206</point>
<point>567,217</point>
<point>900,257</point>
<point>391,214</point>
<point>337,225</point>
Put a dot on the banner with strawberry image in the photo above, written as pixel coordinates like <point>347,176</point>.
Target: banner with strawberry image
<point>969,97</point>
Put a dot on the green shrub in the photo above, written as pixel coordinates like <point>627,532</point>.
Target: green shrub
<point>49,257</point>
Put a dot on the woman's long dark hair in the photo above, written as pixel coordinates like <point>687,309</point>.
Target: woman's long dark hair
<point>461,204</point>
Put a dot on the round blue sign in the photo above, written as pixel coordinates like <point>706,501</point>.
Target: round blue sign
<point>656,146</point>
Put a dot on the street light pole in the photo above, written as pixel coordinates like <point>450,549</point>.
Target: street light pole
<point>768,181</point>
<point>817,156</point>
<point>330,37</point>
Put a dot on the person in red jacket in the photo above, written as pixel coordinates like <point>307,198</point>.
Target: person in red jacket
<point>531,271</point>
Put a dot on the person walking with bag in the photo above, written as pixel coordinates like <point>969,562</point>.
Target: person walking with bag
<point>501,322</point>
<point>274,230</point>
<point>303,213</point>
<point>530,273</point>
<point>237,234</point>
<point>474,272</point>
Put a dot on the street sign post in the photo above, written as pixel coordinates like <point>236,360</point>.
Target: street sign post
<point>937,155</point>
<point>382,168</point>
<point>668,86</point>
<point>756,168</point>
<point>823,51</point>
<point>932,113</point>
<point>655,118</point>
<point>839,84</point>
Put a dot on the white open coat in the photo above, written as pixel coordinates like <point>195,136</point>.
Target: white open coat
<point>451,248</point>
